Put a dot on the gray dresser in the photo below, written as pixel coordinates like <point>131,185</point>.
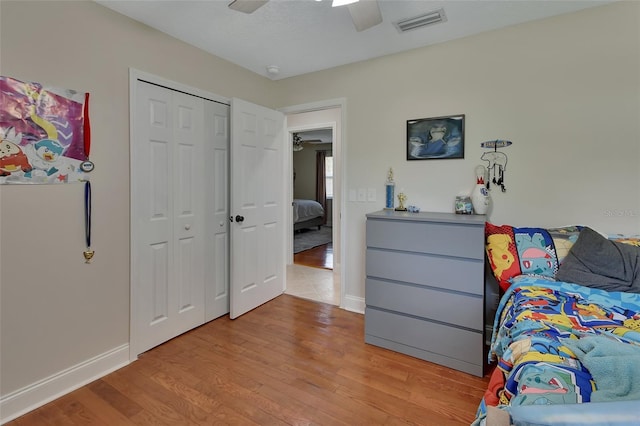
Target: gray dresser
<point>425,287</point>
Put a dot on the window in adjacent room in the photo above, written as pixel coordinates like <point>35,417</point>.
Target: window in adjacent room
<point>328,176</point>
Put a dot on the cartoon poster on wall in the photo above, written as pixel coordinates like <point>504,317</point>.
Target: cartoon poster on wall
<point>42,136</point>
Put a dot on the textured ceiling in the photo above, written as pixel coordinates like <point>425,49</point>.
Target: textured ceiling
<point>302,36</point>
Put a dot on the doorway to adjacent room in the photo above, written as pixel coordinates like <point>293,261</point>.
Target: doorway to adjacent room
<point>314,271</point>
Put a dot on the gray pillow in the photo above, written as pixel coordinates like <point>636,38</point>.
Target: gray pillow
<point>595,261</point>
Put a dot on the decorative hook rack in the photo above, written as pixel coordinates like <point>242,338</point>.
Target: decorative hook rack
<point>497,162</point>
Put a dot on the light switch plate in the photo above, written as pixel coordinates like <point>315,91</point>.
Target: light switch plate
<point>362,195</point>
<point>371,194</point>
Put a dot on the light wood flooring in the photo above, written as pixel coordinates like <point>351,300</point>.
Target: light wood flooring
<point>288,362</point>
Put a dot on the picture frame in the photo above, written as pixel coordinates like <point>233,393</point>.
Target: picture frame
<point>435,138</point>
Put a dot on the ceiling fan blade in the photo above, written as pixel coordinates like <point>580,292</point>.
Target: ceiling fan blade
<point>365,14</point>
<point>247,6</point>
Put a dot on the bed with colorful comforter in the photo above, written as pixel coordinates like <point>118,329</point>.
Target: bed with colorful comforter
<point>557,343</point>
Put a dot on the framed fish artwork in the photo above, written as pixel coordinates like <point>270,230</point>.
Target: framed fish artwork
<point>435,138</point>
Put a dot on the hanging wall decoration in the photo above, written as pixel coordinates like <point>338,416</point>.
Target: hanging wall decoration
<point>88,253</point>
<point>497,162</point>
<point>42,134</point>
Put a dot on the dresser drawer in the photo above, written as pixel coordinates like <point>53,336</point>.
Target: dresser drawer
<point>428,336</point>
<point>448,239</point>
<point>465,275</point>
<point>442,306</point>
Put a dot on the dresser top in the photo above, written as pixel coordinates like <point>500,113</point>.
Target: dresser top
<point>467,219</point>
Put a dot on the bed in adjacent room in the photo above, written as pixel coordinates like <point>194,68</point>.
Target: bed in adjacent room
<point>307,214</point>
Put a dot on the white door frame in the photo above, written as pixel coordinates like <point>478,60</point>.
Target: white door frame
<point>134,76</point>
<point>339,213</point>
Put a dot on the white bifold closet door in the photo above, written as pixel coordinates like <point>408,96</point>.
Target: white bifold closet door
<point>179,204</point>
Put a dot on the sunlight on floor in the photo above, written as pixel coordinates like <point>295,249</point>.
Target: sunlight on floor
<point>313,284</point>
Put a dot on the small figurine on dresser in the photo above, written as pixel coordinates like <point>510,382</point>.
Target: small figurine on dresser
<point>401,198</point>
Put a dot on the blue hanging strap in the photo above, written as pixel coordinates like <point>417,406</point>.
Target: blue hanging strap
<point>87,213</point>
<point>88,253</point>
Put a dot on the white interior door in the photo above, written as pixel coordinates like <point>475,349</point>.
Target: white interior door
<point>257,211</point>
<point>168,259</point>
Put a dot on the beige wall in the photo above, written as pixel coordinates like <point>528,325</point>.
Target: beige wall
<point>56,311</point>
<point>304,163</point>
<point>565,90</point>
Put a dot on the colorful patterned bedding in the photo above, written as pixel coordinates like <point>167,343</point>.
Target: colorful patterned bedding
<point>559,343</point>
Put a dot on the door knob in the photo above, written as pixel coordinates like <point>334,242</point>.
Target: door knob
<point>239,218</point>
<point>187,227</point>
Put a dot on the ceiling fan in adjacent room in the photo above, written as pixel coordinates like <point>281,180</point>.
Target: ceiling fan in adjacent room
<point>364,13</point>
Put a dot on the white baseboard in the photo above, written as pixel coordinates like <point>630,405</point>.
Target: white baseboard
<point>37,394</point>
<point>353,304</point>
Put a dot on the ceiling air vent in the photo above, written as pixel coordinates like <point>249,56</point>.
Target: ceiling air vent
<point>429,18</point>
